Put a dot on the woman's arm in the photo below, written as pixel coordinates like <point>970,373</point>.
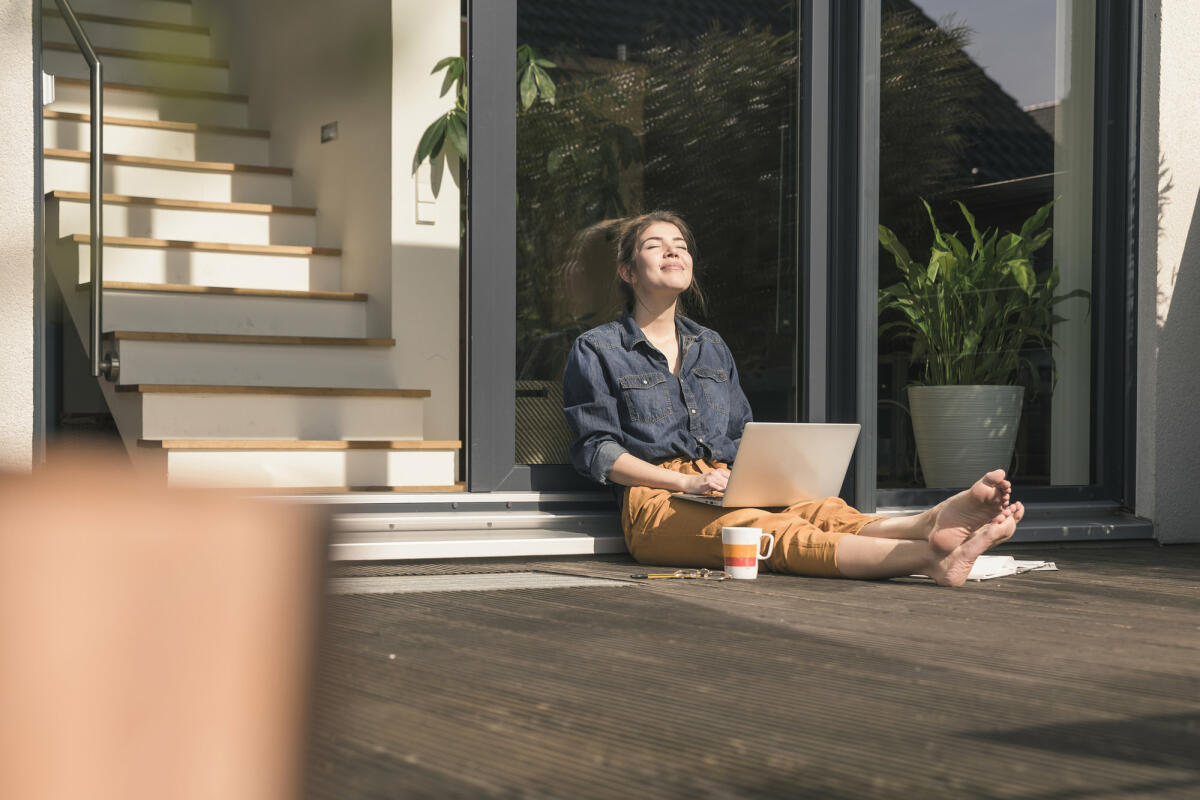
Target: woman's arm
<point>629,470</point>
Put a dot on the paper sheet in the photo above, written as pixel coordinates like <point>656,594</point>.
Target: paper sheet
<point>988,567</point>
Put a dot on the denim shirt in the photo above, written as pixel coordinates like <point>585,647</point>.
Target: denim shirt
<point>619,396</point>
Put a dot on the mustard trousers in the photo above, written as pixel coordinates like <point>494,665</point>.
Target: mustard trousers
<point>663,530</point>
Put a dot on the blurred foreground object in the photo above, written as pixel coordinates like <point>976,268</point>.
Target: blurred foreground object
<point>154,643</point>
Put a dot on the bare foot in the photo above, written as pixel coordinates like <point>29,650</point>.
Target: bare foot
<point>955,518</point>
<point>955,566</point>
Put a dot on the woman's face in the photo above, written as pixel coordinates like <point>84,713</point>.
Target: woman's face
<point>662,265</point>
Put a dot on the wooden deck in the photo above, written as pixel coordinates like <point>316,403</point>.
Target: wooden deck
<point>1083,683</point>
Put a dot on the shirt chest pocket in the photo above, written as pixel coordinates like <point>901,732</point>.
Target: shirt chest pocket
<point>715,385</point>
<point>646,397</point>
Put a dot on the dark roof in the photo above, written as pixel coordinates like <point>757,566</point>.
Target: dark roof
<point>1005,142</point>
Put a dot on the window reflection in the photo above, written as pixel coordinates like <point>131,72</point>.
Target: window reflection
<point>990,105</point>
<point>657,105</point>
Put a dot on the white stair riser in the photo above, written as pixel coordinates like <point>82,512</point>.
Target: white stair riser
<point>201,268</point>
<point>131,140</point>
<point>176,184</point>
<point>141,71</point>
<point>349,367</point>
<point>299,469</point>
<point>148,105</point>
<point>130,37</point>
<point>151,222</point>
<point>211,313</point>
<point>278,416</point>
<point>153,10</point>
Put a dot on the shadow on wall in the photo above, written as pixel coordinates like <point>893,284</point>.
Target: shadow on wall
<point>1178,387</point>
<point>425,318</point>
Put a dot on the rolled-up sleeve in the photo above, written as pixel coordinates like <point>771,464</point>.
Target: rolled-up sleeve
<point>591,412</point>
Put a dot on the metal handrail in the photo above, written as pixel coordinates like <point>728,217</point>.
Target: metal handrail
<point>96,201</point>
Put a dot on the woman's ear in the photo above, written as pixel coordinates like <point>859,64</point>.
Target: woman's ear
<point>625,274</point>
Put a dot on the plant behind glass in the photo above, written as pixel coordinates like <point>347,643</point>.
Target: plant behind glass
<point>969,313</point>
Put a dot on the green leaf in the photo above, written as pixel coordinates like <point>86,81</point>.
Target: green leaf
<point>528,89</point>
<point>545,84</point>
<point>1009,244</point>
<point>890,243</point>
<point>431,142</point>
<point>937,234</point>
<point>1022,273</point>
<point>1031,225</point>
<point>456,132</point>
<point>554,159</point>
<point>961,255</point>
<point>975,237</point>
<point>453,75</point>
<point>445,62</point>
<point>1037,242</point>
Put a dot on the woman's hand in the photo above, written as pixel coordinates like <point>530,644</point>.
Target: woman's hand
<point>712,481</point>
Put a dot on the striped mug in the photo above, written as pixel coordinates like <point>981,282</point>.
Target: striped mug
<point>742,548</point>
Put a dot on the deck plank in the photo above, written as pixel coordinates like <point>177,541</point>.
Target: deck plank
<point>1080,683</point>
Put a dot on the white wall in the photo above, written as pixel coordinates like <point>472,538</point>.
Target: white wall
<point>16,234</point>
<point>1168,437</point>
<point>305,63</point>
<point>365,64</point>
<point>425,276</point>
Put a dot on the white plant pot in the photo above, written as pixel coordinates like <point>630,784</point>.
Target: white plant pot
<point>964,431</point>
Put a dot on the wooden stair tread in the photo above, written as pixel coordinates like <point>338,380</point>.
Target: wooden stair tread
<point>306,391</point>
<point>104,19</point>
<point>159,124</point>
<point>201,94</point>
<point>169,163</point>
<point>142,55</point>
<point>217,247</point>
<point>291,444</point>
<point>199,205</point>
<point>187,288</point>
<point>245,338</point>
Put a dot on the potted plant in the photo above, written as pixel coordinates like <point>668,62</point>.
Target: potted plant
<point>969,313</point>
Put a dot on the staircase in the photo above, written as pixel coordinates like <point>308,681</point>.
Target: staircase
<point>244,361</point>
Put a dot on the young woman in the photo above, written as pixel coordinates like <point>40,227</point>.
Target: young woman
<point>655,405</point>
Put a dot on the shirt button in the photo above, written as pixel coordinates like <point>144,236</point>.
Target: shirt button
<point>645,381</point>
<point>692,410</point>
<point>699,438</point>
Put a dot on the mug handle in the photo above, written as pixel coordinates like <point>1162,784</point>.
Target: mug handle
<point>770,546</point>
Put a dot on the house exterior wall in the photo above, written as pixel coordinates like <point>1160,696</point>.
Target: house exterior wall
<point>16,235</point>
<point>383,110</point>
<point>1168,436</point>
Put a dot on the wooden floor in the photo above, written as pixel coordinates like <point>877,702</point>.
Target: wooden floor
<point>1083,683</point>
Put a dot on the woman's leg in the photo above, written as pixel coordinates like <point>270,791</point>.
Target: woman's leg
<point>948,523</point>
<point>869,557</point>
<point>810,539</point>
<point>667,531</point>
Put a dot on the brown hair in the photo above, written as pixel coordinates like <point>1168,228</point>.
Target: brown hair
<point>631,230</point>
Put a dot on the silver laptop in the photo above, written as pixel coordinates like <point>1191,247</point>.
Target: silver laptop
<point>781,463</point>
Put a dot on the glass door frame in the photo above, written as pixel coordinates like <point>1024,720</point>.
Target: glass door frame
<point>1114,269</point>
<point>839,183</point>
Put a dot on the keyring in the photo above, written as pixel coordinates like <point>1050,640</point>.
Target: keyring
<point>703,574</point>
